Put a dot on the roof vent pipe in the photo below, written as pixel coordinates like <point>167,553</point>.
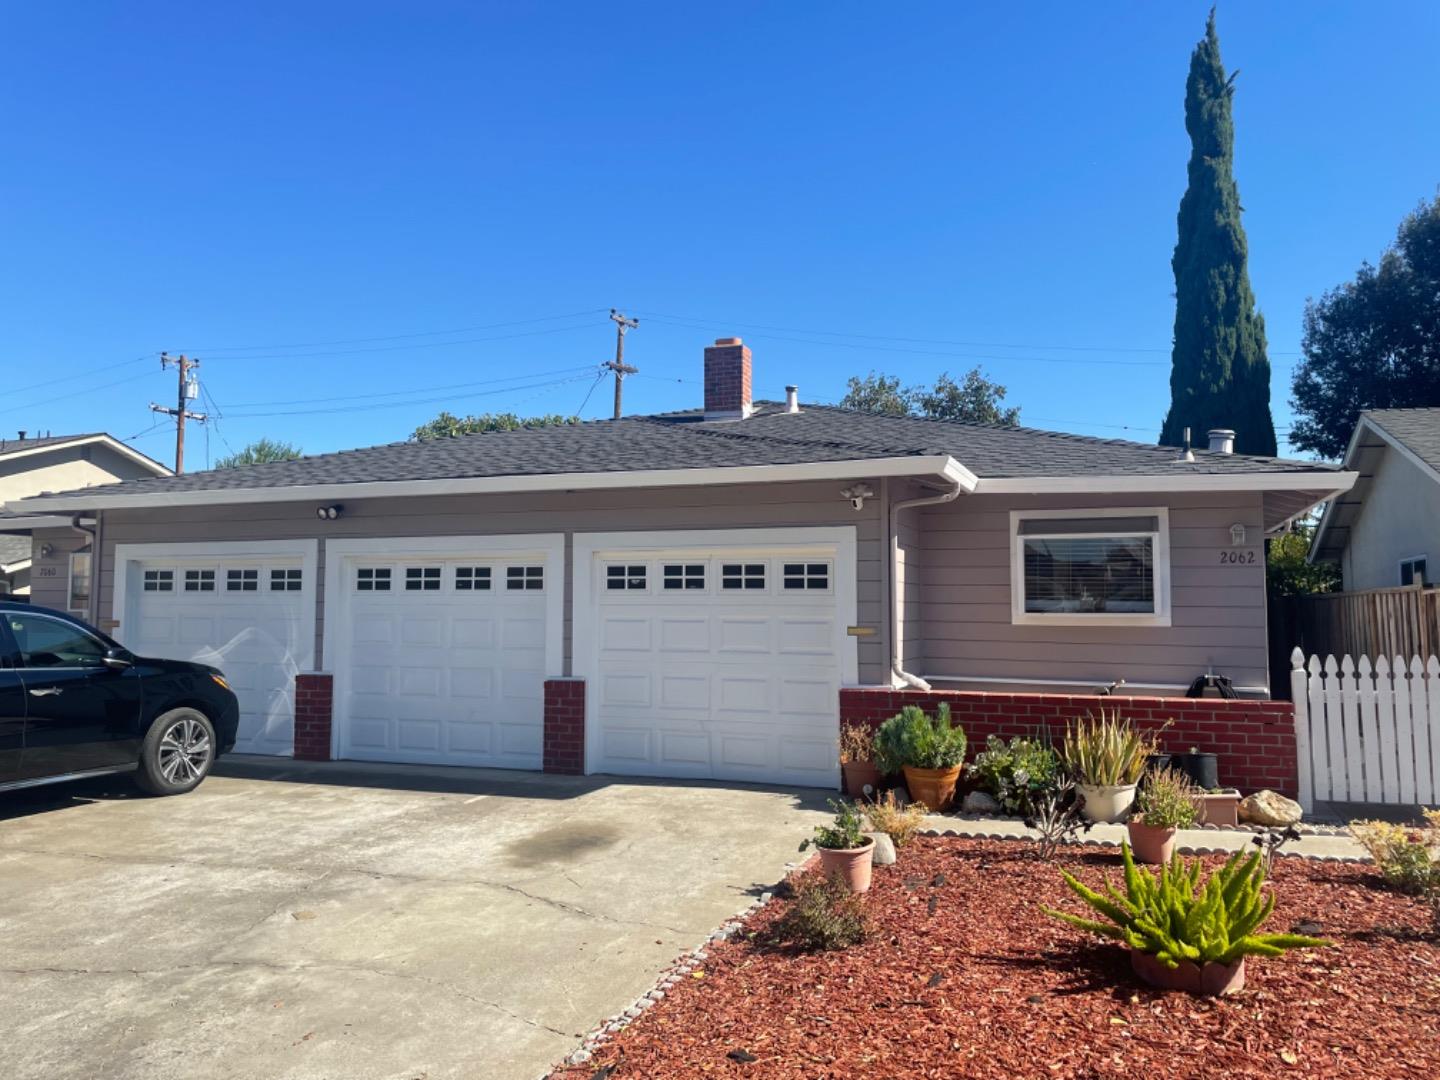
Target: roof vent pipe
<point>792,399</point>
<point>1222,441</point>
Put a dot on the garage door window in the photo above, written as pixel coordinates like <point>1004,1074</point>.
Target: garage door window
<point>372,579</point>
<point>807,576</point>
<point>285,580</point>
<point>684,576</point>
<point>625,577</point>
<point>525,577</point>
<point>472,578</point>
<point>422,579</point>
<point>742,576</point>
<point>242,580</point>
<point>159,581</point>
<point>199,580</point>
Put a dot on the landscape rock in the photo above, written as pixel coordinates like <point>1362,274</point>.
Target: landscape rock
<point>978,802</point>
<point>884,850</point>
<point>1269,809</point>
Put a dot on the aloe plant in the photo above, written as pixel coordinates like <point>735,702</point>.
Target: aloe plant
<point>1171,916</point>
<point>922,742</point>
<point>1105,750</point>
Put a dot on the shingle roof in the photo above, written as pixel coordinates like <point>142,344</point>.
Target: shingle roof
<point>1417,429</point>
<point>681,440</point>
<point>14,446</point>
<point>13,549</point>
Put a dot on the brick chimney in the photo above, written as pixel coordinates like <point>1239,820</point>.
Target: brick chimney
<point>727,380</point>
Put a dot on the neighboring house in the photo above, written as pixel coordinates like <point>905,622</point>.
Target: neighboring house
<point>31,466</point>
<point>694,594</point>
<point>1386,530</point>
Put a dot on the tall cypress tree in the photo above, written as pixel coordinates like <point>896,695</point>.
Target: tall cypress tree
<point>1219,375</point>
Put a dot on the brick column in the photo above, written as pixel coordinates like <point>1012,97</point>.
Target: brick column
<point>564,739</point>
<point>314,702</point>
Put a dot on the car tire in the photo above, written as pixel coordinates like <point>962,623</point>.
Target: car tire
<point>177,752</point>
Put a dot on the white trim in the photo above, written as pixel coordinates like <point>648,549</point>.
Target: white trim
<point>548,546</point>
<point>31,522</point>
<point>307,550</point>
<point>1327,480</point>
<point>1400,567</point>
<point>90,440</point>
<point>1119,690</point>
<point>1160,617</point>
<point>837,542</point>
<point>927,465</point>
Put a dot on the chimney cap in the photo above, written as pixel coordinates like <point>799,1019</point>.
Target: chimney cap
<point>728,341</point>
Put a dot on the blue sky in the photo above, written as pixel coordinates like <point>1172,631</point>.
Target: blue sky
<point>307,195</point>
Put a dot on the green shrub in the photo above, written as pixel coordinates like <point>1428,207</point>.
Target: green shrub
<point>920,741</point>
<point>1105,750</point>
<point>1408,857</point>
<point>1016,774</point>
<point>843,833</point>
<point>1166,800</point>
<point>1171,916</point>
<point>825,914</point>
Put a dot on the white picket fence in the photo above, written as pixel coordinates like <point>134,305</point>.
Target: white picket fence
<point>1367,733</point>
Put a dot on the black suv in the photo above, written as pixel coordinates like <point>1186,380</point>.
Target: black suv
<point>73,703</point>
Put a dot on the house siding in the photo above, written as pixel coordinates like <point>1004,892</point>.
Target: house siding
<point>1218,608</point>
<point>50,574</point>
<point>1400,520</point>
<point>66,468</point>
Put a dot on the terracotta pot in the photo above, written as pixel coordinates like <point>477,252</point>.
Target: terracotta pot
<point>859,774</point>
<point>1207,980</point>
<point>1219,808</point>
<point>1105,803</point>
<point>1151,843</point>
<point>852,865</point>
<point>933,787</point>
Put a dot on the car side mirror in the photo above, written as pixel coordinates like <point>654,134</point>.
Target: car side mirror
<point>118,659</point>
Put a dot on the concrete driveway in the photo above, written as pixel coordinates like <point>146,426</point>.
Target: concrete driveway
<point>345,921</point>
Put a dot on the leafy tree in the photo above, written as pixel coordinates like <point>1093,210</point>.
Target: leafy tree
<point>261,450</point>
<point>975,400</point>
<point>448,424</point>
<point>1219,376</point>
<point>1286,571</point>
<point>1372,343</point>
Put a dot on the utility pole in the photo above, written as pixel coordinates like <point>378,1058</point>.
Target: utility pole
<point>618,365</point>
<point>187,392</point>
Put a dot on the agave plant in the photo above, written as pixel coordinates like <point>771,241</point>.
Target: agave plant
<point>1171,916</point>
<point>1105,750</point>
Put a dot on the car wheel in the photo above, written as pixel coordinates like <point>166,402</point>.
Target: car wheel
<point>177,752</point>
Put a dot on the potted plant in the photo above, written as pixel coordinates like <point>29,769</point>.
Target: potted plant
<point>1203,769</point>
<point>845,851</point>
<point>857,760</point>
<point>1185,936</point>
<point>1106,755</point>
<point>929,750</point>
<point>1164,805</point>
<point>1016,775</point>
<point>1217,806</point>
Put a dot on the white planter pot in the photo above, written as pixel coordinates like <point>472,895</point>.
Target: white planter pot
<point>1105,803</point>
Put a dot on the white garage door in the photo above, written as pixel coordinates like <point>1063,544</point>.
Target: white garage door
<point>721,662</point>
<point>441,655</point>
<point>242,608</point>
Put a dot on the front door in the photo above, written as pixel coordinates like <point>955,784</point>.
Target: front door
<point>80,714</point>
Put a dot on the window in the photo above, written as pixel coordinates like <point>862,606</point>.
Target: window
<point>814,575</point>
<point>625,577</point>
<point>1412,571</point>
<point>80,581</point>
<point>285,580</point>
<point>422,578</point>
<point>472,578</point>
<point>242,580</point>
<point>51,643</point>
<point>372,579</point>
<point>159,581</point>
<point>1090,567</point>
<point>684,576</point>
<point>524,577</point>
<point>742,576</point>
<point>199,580</point>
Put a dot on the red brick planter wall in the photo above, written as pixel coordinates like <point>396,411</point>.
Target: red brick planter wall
<point>564,739</point>
<point>1255,740</point>
<point>314,701</point>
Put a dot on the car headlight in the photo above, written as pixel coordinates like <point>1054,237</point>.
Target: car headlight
<point>220,681</point>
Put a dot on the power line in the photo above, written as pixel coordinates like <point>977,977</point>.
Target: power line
<point>421,401</point>
<point>79,375</point>
<point>75,394</point>
<point>413,390</point>
<point>598,380</point>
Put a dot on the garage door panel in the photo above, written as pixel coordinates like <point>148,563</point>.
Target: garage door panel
<point>467,632</point>
<point>521,633</point>
<point>739,693</point>
<point>810,637</point>
<point>625,689</point>
<point>468,681</point>
<point>422,631</point>
<point>418,735</point>
<point>518,740</point>
<point>624,634</point>
<point>630,745</point>
<point>684,635</point>
<point>743,635</point>
<point>685,748</point>
<point>815,696</point>
<point>372,630</point>
<point>522,685</point>
<point>680,691</point>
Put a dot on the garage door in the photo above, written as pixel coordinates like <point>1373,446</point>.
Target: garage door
<point>441,654</point>
<point>717,661</point>
<point>246,609</point>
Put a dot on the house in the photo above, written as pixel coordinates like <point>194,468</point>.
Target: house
<point>30,465</point>
<point>700,593</point>
<point>1384,529</point>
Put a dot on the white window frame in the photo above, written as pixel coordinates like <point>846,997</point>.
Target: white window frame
<point>1160,538</point>
<point>82,611</point>
<point>1410,560</point>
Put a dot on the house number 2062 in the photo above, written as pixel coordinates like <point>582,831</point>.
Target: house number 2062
<point>1237,558</point>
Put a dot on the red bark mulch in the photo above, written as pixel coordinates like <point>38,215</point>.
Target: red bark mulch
<point>963,976</point>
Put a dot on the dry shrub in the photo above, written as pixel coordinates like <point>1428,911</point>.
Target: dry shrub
<point>825,914</point>
<point>1408,856</point>
<point>857,743</point>
<point>900,823</point>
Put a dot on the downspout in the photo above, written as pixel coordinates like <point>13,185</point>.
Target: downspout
<point>897,668</point>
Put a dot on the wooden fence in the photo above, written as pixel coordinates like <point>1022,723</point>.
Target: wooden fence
<point>1367,733</point>
<point>1403,621</point>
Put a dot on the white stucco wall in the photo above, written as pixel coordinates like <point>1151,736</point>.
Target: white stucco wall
<point>1400,520</point>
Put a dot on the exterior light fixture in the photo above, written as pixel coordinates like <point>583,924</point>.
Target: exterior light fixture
<point>1237,534</point>
<point>329,513</point>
